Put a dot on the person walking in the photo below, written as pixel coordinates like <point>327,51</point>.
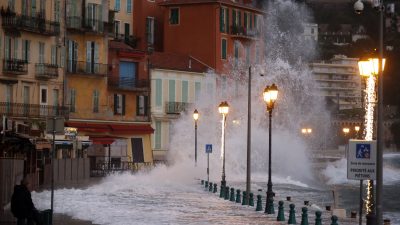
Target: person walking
<point>22,206</point>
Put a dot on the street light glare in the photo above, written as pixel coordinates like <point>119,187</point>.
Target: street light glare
<point>267,95</point>
<point>309,130</point>
<point>273,90</point>
<point>195,115</point>
<point>304,130</point>
<point>346,130</point>
<point>357,128</point>
<point>223,108</point>
<point>370,67</point>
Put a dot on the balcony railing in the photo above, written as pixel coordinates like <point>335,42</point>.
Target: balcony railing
<point>46,71</point>
<point>15,66</point>
<point>35,24</point>
<point>89,68</point>
<point>87,25</point>
<point>129,84</point>
<point>32,110</point>
<point>176,107</point>
<point>244,32</point>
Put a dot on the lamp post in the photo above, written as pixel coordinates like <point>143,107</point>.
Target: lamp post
<point>357,129</point>
<point>371,68</point>
<point>270,95</point>
<point>195,117</point>
<point>248,153</point>
<point>223,109</point>
<point>346,131</point>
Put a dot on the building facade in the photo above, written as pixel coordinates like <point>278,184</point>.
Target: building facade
<point>338,80</point>
<point>176,83</point>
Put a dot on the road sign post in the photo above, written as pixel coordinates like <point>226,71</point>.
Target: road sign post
<point>208,151</point>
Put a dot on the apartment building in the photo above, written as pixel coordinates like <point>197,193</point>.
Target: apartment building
<point>339,81</point>
<point>177,81</point>
<point>214,31</point>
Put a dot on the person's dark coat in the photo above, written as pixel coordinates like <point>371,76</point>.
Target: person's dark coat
<point>21,202</point>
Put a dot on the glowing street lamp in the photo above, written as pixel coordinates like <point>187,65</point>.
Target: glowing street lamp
<point>270,95</point>
<point>357,129</point>
<point>223,109</point>
<point>346,130</point>
<point>195,117</point>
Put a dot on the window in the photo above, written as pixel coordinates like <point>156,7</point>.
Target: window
<point>16,41</point>
<point>312,30</point>
<point>158,92</point>
<point>43,95</point>
<point>126,25</point>
<point>119,104</point>
<point>116,28</point>
<point>224,20</point>
<point>236,18</point>
<point>141,105</point>
<point>171,87</point>
<point>33,8</point>
<point>150,30</point>
<point>54,55</point>
<point>11,4</point>
<point>185,90</point>
<point>96,101</point>
<point>92,57</point>
<point>57,10</point>
<point>55,97</point>
<point>223,48</point>
<point>128,6</point>
<point>26,50</point>
<point>41,52</point>
<point>174,16</point>
<point>27,94</point>
<point>117,5</point>
<point>157,139</point>
<point>72,55</point>
<point>197,89</point>
<point>72,98</point>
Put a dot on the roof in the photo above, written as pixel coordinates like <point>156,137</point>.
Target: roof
<point>175,61</point>
<point>239,4</point>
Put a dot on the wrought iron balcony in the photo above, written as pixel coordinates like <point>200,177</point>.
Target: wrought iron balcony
<point>89,68</point>
<point>35,24</point>
<point>128,84</point>
<point>15,66</point>
<point>176,107</point>
<point>46,71</point>
<point>86,25</point>
<point>32,110</point>
<point>240,31</point>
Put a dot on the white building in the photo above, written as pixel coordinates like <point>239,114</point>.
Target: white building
<point>339,81</point>
<point>310,31</point>
<point>176,83</point>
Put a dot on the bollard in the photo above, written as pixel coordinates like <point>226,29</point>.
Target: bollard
<point>222,192</point>
<point>238,196</point>
<point>288,198</point>
<point>232,198</point>
<point>334,220</point>
<point>210,187</point>
<point>259,203</point>
<point>281,213</point>
<point>386,222</point>
<point>353,214</point>
<point>292,215</point>
<point>304,216</point>
<point>215,188</point>
<point>202,182</point>
<point>226,193</point>
<point>206,185</point>
<point>251,199</point>
<point>244,198</point>
<point>328,208</point>
<point>306,203</point>
<point>318,220</point>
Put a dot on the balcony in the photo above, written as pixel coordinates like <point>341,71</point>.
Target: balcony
<point>46,71</point>
<point>243,32</point>
<point>15,66</point>
<point>32,110</point>
<point>38,24</point>
<point>128,84</point>
<point>176,107</point>
<point>78,24</point>
<point>87,68</point>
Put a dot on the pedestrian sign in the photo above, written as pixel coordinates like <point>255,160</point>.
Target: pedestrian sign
<point>208,148</point>
<point>361,160</point>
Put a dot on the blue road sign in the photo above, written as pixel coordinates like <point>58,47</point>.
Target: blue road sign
<point>208,148</point>
<point>363,151</point>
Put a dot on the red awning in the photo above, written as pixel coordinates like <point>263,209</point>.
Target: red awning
<point>102,140</point>
<point>112,129</point>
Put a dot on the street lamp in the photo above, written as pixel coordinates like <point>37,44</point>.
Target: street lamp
<point>223,109</point>
<point>346,130</point>
<point>270,95</point>
<point>357,129</point>
<point>195,117</point>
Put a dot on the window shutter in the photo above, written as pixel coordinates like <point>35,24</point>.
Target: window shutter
<point>33,8</point>
<point>233,17</point>
<point>123,105</point>
<point>24,42</point>
<point>15,48</point>
<point>240,18</point>
<point>28,50</point>
<point>115,104</point>
<point>245,19</point>
<point>251,20</point>
<point>255,20</point>
<point>227,20</point>
<point>88,52</point>
<point>96,58</point>
<point>7,47</point>
<point>53,55</point>
<point>146,99</point>
<point>137,105</point>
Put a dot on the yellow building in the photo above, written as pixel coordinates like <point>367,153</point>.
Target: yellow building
<point>31,73</point>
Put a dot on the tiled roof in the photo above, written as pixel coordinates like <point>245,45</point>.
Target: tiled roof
<point>174,61</point>
<point>119,45</point>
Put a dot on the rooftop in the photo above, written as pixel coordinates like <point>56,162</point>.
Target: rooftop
<point>180,62</point>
